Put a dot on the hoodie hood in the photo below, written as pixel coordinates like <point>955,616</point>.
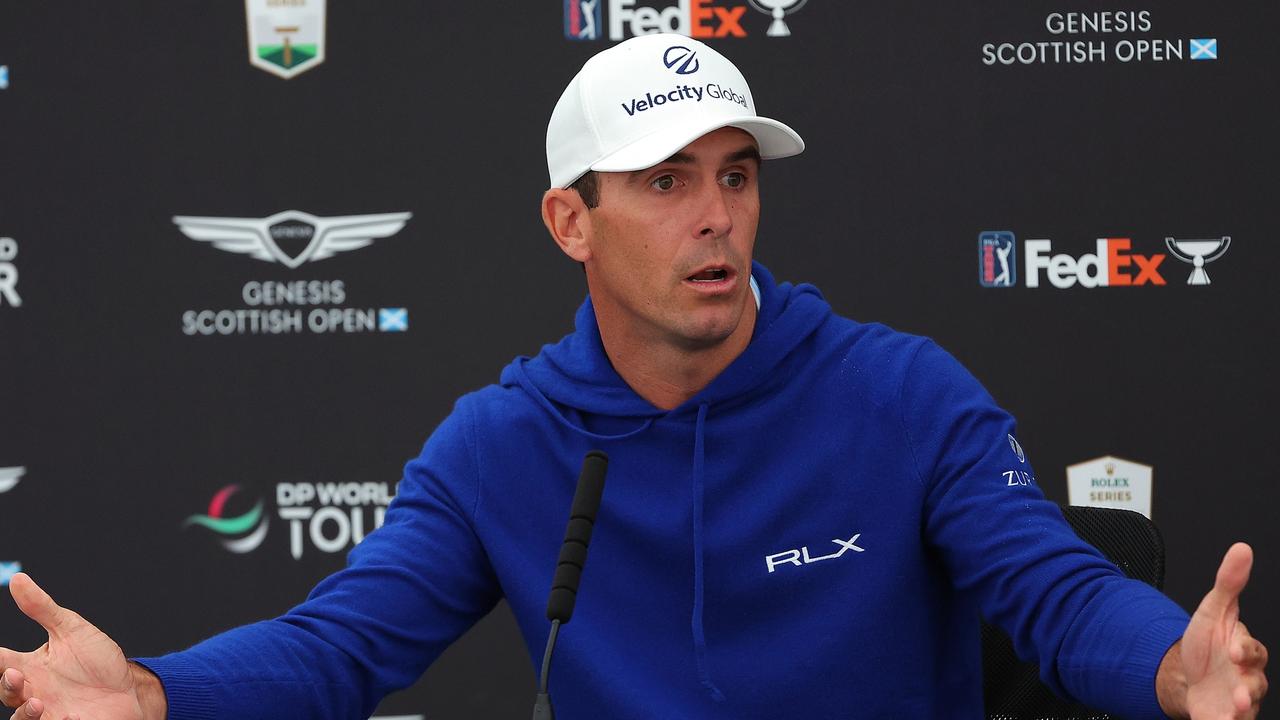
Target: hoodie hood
<point>576,373</point>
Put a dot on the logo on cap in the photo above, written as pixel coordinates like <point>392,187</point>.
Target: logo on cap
<point>684,57</point>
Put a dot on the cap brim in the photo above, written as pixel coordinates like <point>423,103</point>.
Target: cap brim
<point>775,140</point>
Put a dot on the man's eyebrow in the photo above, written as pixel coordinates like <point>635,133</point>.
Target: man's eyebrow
<point>679,158</point>
<point>750,152</point>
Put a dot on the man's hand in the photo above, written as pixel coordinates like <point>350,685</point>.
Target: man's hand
<point>1215,672</point>
<point>78,673</point>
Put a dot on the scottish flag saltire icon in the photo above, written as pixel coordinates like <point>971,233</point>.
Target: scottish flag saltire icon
<point>393,319</point>
<point>4,77</point>
<point>1204,48</point>
<point>8,570</point>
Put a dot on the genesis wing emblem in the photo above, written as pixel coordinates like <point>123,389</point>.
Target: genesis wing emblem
<point>252,236</point>
<point>9,476</point>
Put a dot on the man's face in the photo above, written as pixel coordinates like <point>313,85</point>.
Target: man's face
<point>670,245</point>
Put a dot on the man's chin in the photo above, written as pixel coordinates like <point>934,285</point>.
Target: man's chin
<point>709,332</point>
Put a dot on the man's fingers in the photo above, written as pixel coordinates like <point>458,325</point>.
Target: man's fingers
<point>1257,655</point>
<point>1257,686</point>
<point>1240,698</point>
<point>1233,575</point>
<point>1247,650</point>
<point>11,686</point>
<point>35,603</point>
<point>30,710</point>
<point>9,658</point>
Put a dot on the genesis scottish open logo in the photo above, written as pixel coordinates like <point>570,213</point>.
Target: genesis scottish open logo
<point>240,534</point>
<point>292,239</point>
<point>1099,37</point>
<point>682,56</point>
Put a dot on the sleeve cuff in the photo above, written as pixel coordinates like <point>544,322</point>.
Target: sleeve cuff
<point>188,689</point>
<point>1149,649</point>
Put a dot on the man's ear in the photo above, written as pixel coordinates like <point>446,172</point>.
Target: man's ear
<point>565,215</point>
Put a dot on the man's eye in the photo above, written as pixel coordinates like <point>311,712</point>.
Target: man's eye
<point>734,180</point>
<point>666,182</point>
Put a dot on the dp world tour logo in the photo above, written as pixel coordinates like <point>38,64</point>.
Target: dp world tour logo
<point>242,533</point>
<point>684,57</point>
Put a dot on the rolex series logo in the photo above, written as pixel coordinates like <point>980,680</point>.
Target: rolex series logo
<point>286,37</point>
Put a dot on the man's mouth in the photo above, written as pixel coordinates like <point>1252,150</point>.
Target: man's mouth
<point>709,275</point>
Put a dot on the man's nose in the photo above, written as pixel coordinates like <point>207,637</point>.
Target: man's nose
<point>715,220</point>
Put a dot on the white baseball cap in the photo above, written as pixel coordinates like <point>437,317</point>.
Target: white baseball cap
<point>637,103</point>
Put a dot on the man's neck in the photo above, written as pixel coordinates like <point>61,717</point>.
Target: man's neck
<point>667,374</point>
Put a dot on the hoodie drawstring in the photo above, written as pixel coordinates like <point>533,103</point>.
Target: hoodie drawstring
<point>699,636</point>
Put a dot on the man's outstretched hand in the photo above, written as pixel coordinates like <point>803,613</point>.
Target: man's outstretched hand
<point>79,673</point>
<point>1215,672</point>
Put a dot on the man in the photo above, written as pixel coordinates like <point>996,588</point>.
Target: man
<point>748,426</point>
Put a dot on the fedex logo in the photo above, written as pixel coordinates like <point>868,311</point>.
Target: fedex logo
<point>1112,265</point>
<point>694,18</point>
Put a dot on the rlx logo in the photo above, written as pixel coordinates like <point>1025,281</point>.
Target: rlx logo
<point>801,557</point>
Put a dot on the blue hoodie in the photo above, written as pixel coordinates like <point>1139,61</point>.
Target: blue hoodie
<point>813,535</point>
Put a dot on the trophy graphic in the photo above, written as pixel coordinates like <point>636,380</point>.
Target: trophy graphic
<point>779,9</point>
<point>1198,252</point>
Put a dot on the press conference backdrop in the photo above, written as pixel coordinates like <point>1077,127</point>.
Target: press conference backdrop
<point>195,426</point>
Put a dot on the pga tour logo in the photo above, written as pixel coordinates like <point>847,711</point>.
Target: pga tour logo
<point>997,259</point>
<point>582,19</point>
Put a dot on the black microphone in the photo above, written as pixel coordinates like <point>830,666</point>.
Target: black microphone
<point>573,556</point>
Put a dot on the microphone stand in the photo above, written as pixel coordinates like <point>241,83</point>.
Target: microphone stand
<point>573,557</point>
<point>542,709</point>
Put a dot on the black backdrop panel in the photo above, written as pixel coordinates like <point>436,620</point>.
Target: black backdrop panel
<point>157,443</point>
